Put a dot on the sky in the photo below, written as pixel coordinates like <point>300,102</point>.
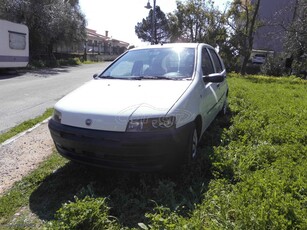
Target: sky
<point>119,17</point>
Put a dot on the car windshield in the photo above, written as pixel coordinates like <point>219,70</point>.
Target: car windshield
<point>153,63</point>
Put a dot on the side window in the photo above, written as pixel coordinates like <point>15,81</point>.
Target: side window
<point>17,40</point>
<point>206,63</point>
<point>216,61</point>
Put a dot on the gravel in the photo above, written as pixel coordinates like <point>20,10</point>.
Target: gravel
<point>22,154</point>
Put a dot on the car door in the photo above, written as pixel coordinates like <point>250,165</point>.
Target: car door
<point>221,88</point>
<point>209,97</point>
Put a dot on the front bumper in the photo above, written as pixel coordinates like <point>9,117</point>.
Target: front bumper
<point>136,151</point>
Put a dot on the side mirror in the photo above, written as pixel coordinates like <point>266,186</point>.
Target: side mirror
<point>95,75</point>
<point>214,77</point>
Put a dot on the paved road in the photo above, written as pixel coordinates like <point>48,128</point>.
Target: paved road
<point>29,94</point>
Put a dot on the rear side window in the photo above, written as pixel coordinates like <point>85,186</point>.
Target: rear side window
<point>17,40</point>
<point>216,61</point>
<point>206,63</point>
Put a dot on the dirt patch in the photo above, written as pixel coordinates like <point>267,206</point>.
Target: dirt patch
<point>22,154</point>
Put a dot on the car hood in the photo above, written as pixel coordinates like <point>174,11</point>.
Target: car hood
<point>109,104</point>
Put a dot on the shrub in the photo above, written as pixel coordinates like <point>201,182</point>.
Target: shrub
<point>37,63</point>
<point>300,67</point>
<point>70,62</point>
<point>87,213</point>
<point>273,66</point>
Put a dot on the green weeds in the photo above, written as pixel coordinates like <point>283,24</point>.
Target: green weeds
<point>251,175</point>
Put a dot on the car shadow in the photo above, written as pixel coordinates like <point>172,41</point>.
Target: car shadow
<point>42,72</point>
<point>46,72</point>
<point>131,194</point>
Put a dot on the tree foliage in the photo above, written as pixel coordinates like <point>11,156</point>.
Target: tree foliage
<point>197,21</point>
<point>192,21</point>
<point>296,36</point>
<point>49,22</point>
<point>161,28</point>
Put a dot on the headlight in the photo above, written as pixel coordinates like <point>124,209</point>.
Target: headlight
<point>57,116</point>
<point>151,124</point>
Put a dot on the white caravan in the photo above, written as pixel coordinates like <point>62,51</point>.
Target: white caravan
<point>14,45</point>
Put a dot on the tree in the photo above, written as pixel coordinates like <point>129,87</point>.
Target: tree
<point>144,29</point>
<point>197,21</point>
<point>296,36</point>
<point>242,19</point>
<point>49,22</point>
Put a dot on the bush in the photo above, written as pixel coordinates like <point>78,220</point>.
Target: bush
<point>55,63</point>
<point>37,63</point>
<point>273,66</point>
<point>300,68</point>
<point>87,213</point>
<point>252,68</point>
<point>69,62</point>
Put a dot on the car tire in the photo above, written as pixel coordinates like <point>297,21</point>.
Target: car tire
<point>193,143</point>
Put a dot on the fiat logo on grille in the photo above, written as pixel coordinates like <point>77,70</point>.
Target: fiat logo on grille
<point>88,122</point>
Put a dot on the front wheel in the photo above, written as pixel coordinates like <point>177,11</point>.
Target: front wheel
<point>193,143</point>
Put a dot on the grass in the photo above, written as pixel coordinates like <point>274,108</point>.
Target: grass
<point>18,196</point>
<point>25,126</point>
<point>251,175</point>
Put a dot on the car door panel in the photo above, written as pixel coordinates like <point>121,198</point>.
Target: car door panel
<point>209,96</point>
<point>222,86</point>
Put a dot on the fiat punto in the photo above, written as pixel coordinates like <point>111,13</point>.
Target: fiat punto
<point>146,111</point>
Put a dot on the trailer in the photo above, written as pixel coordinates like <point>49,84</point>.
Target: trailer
<point>14,45</point>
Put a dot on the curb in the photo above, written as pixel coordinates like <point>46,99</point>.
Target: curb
<point>14,138</point>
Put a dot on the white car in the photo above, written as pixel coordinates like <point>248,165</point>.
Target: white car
<point>146,111</point>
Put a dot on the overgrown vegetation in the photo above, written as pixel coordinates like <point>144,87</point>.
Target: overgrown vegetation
<point>55,63</point>
<point>251,175</point>
<point>274,66</point>
<point>58,63</point>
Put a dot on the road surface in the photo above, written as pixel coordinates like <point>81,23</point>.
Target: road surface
<point>26,95</point>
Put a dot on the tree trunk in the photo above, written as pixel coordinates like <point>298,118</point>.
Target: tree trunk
<point>250,38</point>
<point>51,58</point>
<point>244,63</point>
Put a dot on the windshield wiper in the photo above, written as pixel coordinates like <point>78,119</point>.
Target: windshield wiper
<point>106,77</point>
<point>110,77</point>
<point>154,77</point>
<point>121,78</point>
<point>149,77</point>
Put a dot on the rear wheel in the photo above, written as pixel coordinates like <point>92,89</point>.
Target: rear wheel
<point>223,111</point>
